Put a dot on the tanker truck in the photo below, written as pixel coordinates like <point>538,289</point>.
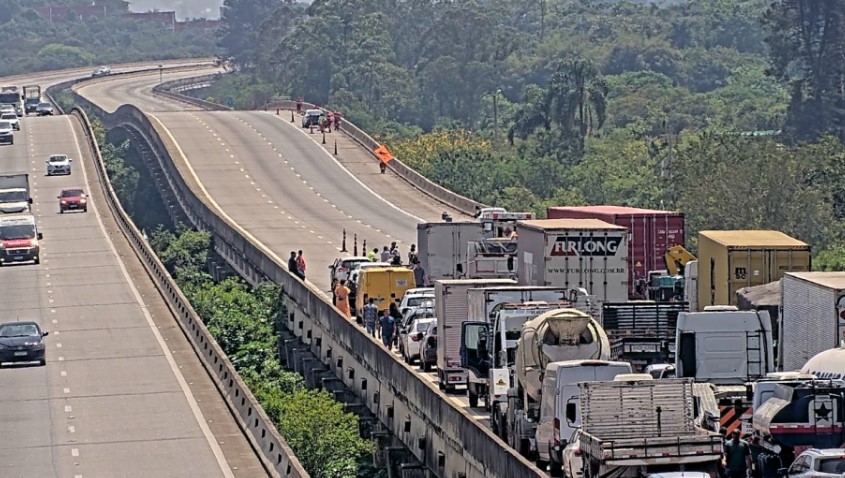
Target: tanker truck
<point>554,336</point>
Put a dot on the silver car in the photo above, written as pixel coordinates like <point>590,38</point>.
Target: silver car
<point>7,134</point>
<point>13,119</point>
<point>58,164</point>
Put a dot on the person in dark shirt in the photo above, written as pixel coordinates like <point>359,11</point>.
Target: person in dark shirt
<point>737,457</point>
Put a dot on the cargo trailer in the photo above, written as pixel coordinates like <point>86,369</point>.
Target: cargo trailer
<point>651,233</point>
<point>575,253</point>
<point>443,248</point>
<point>813,318</point>
<point>731,260</point>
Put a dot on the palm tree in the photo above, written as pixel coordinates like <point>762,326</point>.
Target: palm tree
<point>577,98</point>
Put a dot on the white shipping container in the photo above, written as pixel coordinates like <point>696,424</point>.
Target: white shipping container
<point>484,303</point>
<point>451,304</point>
<point>813,318</point>
<point>443,248</point>
<point>575,253</point>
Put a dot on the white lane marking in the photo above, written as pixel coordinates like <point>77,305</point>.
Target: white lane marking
<point>64,373</point>
<point>186,390</point>
<point>66,390</point>
<point>61,359</point>
<point>71,429</point>
<point>58,345</point>
<point>68,408</point>
<point>74,451</point>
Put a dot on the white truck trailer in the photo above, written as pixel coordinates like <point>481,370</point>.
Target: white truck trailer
<point>443,248</point>
<point>14,193</point>
<point>575,253</point>
<point>813,317</point>
<point>451,305</point>
<point>639,427</point>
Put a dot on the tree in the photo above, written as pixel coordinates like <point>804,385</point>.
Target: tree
<point>578,98</point>
<point>242,21</point>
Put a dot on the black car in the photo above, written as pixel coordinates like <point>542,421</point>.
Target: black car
<point>22,342</point>
<point>44,109</point>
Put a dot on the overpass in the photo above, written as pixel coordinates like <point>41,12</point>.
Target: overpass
<point>123,391</point>
<point>265,187</point>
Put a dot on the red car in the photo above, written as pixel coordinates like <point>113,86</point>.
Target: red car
<point>73,200</point>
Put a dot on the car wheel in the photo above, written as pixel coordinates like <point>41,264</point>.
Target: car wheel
<point>473,399</point>
<point>556,469</point>
<point>85,209</point>
<point>37,261</point>
<point>42,362</point>
<point>61,211</point>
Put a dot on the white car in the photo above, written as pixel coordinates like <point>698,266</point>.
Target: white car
<point>7,109</point>
<point>7,134</point>
<point>101,71</point>
<point>414,298</point>
<point>413,338</point>
<point>13,119</point>
<point>815,463</point>
<point>343,266</point>
<point>58,164</point>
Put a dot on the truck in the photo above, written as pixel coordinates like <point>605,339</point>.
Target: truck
<point>31,98</point>
<point>650,234</point>
<point>642,332</point>
<point>731,260</point>
<point>813,317</point>
<point>443,248</point>
<point>11,95</point>
<point>19,238</point>
<point>575,253</point>
<point>498,222</point>
<point>484,305</point>
<point>554,336</point>
<point>451,305</point>
<point>829,364</point>
<point>491,259</point>
<point>14,193</point>
<point>633,428</point>
<point>385,285</point>
<point>729,349</point>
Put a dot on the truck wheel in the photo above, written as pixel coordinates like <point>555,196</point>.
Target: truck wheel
<point>473,398</point>
<point>556,469</point>
<point>494,422</point>
<point>426,367</point>
<point>541,464</point>
<point>503,427</point>
<point>525,449</point>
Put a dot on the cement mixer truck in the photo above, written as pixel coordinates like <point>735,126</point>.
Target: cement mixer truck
<point>554,336</point>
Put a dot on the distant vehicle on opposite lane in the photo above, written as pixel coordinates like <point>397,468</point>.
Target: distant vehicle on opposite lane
<point>73,199</point>
<point>22,342</point>
<point>101,71</point>
<point>44,109</point>
<point>58,164</point>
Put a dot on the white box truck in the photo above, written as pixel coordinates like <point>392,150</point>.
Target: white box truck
<point>443,248</point>
<point>452,307</point>
<point>813,317</point>
<point>575,253</point>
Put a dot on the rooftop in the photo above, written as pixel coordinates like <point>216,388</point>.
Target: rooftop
<point>608,209</point>
<point>752,238</point>
<point>833,280</point>
<point>569,224</point>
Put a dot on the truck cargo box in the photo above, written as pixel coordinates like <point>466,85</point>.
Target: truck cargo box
<point>813,316</point>
<point>443,248</point>
<point>575,253</point>
<point>651,233</point>
<point>731,260</point>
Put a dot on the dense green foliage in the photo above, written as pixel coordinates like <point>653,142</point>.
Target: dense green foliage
<point>525,104</point>
<point>33,43</point>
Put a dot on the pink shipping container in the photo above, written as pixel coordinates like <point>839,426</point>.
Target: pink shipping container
<point>650,234</point>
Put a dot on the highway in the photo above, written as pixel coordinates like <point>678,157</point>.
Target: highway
<point>283,186</point>
<point>123,393</point>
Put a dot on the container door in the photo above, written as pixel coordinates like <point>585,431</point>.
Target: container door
<point>475,351</point>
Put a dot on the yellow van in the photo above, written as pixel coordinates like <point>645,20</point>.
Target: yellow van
<point>384,284</point>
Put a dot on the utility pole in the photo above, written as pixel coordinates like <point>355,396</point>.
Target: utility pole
<point>160,74</point>
<point>496,114</point>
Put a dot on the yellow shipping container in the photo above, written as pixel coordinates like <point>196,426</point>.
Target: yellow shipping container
<point>731,260</point>
<point>384,284</point>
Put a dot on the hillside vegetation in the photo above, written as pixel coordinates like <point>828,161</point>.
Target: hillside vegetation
<point>718,108</point>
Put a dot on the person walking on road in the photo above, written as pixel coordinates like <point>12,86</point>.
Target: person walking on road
<point>342,294</point>
<point>371,316</point>
<point>300,264</point>
<point>372,255</point>
<point>412,255</point>
<point>737,457</point>
<point>293,266</point>
<point>386,255</point>
<point>387,324</point>
<point>299,106</point>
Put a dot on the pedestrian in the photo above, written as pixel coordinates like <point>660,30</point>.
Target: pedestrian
<point>386,255</point>
<point>342,293</point>
<point>371,316</point>
<point>336,120</point>
<point>372,256</point>
<point>397,318</point>
<point>382,166</point>
<point>293,266</point>
<point>396,260</point>
<point>299,105</point>
<point>768,464</point>
<point>419,274</point>
<point>329,121</point>
<point>393,247</point>
<point>300,264</point>
<point>412,254</point>
<point>387,325</point>
<point>737,457</point>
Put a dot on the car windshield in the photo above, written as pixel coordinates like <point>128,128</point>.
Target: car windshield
<point>58,159</point>
<point>72,193</point>
<point>831,465</point>
<point>12,196</point>
<point>5,125</point>
<point>18,231</point>
<point>45,105</point>
<point>352,264</point>
<point>19,330</point>
<point>423,326</point>
<point>416,301</point>
<point>9,116</point>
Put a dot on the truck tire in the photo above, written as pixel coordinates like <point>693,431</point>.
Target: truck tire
<point>473,398</point>
<point>525,449</point>
<point>542,464</point>
<point>426,367</point>
<point>555,469</point>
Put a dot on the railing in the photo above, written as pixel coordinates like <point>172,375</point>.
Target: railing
<point>275,454</point>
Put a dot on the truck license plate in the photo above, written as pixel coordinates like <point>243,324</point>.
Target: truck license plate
<point>20,354</point>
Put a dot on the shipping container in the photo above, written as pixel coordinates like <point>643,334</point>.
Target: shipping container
<point>443,248</point>
<point>451,303</point>
<point>651,233</point>
<point>813,318</point>
<point>575,253</point>
<point>731,260</point>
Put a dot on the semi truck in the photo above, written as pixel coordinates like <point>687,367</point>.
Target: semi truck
<point>491,259</point>
<point>11,95</point>
<point>642,332</point>
<point>633,428</point>
<point>14,193</point>
<point>731,260</point>
<point>575,253</point>
<point>498,222</point>
<point>813,316</point>
<point>650,234</point>
<point>31,98</point>
<point>443,248</point>
<point>554,336</point>
<point>452,307</point>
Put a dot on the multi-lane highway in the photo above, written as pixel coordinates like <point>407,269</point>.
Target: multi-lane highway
<point>123,393</point>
